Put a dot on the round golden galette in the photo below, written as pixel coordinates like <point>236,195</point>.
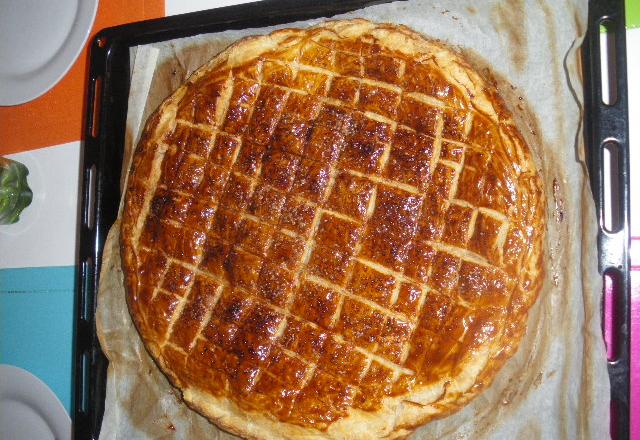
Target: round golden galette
<point>333,232</point>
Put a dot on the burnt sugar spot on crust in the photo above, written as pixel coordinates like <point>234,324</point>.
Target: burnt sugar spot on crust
<point>332,225</point>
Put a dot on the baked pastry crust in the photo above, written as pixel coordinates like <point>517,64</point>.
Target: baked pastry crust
<point>333,232</point>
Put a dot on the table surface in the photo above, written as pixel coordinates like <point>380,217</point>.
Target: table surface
<point>37,274</point>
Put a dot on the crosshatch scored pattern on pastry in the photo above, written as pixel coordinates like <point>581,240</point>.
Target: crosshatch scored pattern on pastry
<point>332,232</point>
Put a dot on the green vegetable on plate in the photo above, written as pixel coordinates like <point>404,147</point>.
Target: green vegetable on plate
<point>15,194</point>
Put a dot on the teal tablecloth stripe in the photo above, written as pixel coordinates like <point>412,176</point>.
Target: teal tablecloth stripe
<point>36,324</point>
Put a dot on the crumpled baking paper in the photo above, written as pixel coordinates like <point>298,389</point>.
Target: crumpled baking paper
<point>556,386</point>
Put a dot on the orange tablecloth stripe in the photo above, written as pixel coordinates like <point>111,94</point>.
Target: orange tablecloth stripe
<point>57,116</point>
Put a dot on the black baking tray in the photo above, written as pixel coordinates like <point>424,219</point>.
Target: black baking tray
<point>606,126</point>
<point>106,110</point>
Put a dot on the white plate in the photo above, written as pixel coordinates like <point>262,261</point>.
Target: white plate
<point>29,409</point>
<point>39,42</point>
<point>46,233</point>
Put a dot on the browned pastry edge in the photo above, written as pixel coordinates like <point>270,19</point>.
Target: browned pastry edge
<point>224,412</point>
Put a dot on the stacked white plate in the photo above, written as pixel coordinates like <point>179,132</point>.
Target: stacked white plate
<point>39,42</point>
<point>29,409</point>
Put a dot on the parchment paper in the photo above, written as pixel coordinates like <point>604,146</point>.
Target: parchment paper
<point>556,386</point>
